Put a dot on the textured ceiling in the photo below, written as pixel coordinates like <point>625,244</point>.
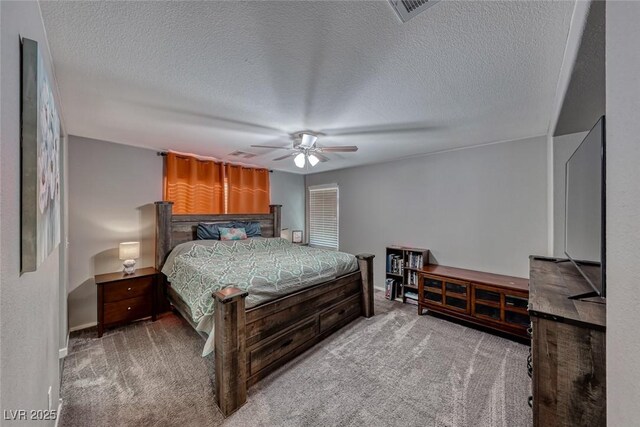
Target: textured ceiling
<point>215,77</point>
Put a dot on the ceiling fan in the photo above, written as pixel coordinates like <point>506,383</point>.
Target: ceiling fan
<point>305,149</point>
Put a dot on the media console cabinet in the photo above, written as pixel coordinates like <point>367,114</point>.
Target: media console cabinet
<point>567,347</point>
<point>491,300</point>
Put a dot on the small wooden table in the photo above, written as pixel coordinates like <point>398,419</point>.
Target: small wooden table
<point>123,298</point>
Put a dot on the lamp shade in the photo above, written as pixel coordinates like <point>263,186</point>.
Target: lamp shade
<point>129,250</point>
<point>313,160</point>
<point>286,234</point>
<point>299,160</point>
<point>308,140</point>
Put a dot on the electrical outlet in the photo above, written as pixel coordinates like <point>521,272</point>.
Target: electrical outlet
<point>49,399</point>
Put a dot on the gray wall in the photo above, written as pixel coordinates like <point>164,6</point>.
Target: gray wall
<point>112,188</point>
<point>482,208</point>
<point>287,189</point>
<point>623,213</point>
<point>563,148</point>
<point>29,304</point>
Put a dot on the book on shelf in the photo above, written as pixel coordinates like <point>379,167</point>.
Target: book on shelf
<point>415,260</point>
<point>411,295</point>
<point>390,289</point>
<point>394,264</point>
<point>412,278</point>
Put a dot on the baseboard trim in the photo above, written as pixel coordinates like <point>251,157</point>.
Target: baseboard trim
<point>81,327</point>
<point>62,353</point>
<point>59,413</point>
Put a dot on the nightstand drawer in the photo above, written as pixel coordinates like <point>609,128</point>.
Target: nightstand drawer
<point>126,289</point>
<point>128,309</point>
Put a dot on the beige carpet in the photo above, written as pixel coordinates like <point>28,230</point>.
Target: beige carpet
<point>394,369</point>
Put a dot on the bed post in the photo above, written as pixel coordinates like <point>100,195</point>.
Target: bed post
<point>163,232</point>
<point>276,211</point>
<point>230,350</point>
<point>366,270</point>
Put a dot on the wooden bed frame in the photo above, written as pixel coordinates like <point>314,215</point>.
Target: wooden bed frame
<point>251,343</point>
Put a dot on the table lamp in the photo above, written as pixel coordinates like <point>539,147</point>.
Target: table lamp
<point>129,252</point>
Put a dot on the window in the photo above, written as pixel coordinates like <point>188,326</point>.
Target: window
<point>323,216</point>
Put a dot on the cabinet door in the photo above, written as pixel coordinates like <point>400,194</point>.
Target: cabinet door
<point>430,289</point>
<point>515,309</point>
<point>516,301</point>
<point>488,312</point>
<point>455,303</point>
<point>515,318</point>
<point>486,295</point>
<point>456,295</point>
<point>487,303</point>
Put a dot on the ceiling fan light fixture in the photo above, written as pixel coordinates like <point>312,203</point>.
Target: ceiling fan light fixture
<point>313,160</point>
<point>299,160</point>
<point>308,140</point>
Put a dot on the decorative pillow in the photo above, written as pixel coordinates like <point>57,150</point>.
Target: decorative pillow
<point>210,231</point>
<point>252,228</point>
<point>232,233</point>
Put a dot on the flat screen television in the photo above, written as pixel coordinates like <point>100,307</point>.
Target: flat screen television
<point>584,242</point>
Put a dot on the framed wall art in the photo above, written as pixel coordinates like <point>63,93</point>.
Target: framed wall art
<point>40,169</point>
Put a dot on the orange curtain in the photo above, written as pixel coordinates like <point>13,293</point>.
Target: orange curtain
<point>248,189</point>
<point>195,186</point>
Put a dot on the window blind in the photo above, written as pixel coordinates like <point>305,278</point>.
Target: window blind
<point>323,217</point>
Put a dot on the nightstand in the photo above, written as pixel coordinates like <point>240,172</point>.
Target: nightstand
<point>123,298</point>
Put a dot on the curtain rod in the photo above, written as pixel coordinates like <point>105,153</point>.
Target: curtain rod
<point>164,154</point>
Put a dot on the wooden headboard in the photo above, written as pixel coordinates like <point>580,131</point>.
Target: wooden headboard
<point>171,230</point>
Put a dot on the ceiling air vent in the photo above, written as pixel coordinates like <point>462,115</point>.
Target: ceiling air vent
<point>407,9</point>
<point>242,154</point>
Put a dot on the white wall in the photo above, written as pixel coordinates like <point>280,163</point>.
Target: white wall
<point>623,213</point>
<point>29,303</point>
<point>574,41</point>
<point>481,208</point>
<point>563,148</point>
<point>112,188</point>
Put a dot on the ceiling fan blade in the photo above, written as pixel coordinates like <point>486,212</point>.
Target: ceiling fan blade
<point>338,149</point>
<point>320,157</point>
<point>381,130</point>
<point>272,146</point>
<point>284,157</point>
<point>173,113</point>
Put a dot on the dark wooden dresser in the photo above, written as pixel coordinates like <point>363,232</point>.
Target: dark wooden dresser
<point>567,347</point>
<point>490,300</point>
<point>123,298</point>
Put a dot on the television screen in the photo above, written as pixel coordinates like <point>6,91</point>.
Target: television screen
<point>584,215</point>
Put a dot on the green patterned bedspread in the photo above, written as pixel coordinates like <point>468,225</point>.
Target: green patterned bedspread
<point>266,268</point>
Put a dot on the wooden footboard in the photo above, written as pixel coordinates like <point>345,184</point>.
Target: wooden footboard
<point>249,344</point>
